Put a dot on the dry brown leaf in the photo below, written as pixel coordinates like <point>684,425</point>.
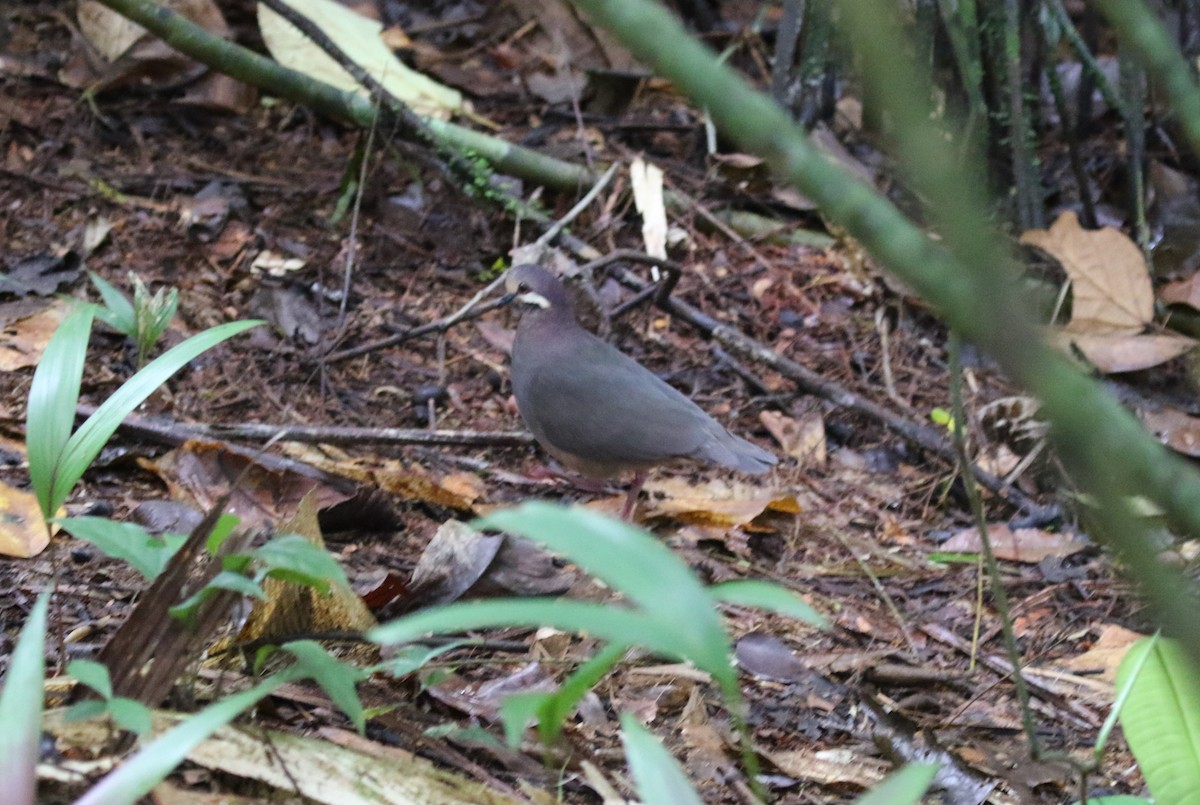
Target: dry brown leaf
<point>1175,429</point>
<point>1112,298</point>
<point>831,767</point>
<point>1029,545</point>
<point>803,439</point>
<point>1106,653</point>
<point>467,485</point>
<point>264,495</point>
<point>716,503</point>
<point>408,481</point>
<point>1113,354</point>
<point>1110,283</point>
<point>131,54</point>
<point>1182,292</point>
<point>23,531</point>
<point>359,37</point>
<point>24,339</point>
<point>460,562</point>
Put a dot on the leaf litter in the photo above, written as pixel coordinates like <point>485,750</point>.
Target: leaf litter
<point>850,523</point>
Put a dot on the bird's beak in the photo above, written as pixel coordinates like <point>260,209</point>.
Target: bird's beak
<point>508,298</point>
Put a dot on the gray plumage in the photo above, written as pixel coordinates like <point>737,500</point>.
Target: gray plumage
<point>597,410</point>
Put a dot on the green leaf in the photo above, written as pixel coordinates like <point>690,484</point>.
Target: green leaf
<point>21,709</point>
<point>768,596</point>
<point>118,311</point>
<point>128,542</point>
<point>658,775</point>
<point>51,407</point>
<point>408,659</point>
<point>225,580</point>
<point>86,709</point>
<point>520,710</point>
<point>226,523</point>
<point>93,674</point>
<point>1161,718</point>
<point>635,563</point>
<point>551,710</point>
<point>904,787</point>
<point>335,677</point>
<point>293,558</point>
<point>130,714</point>
<point>134,778</point>
<point>609,623</point>
<point>87,442</point>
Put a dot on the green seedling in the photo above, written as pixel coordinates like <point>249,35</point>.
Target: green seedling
<point>143,320</point>
<point>57,457</point>
<point>126,713</point>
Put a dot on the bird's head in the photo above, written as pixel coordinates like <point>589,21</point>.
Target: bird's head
<point>534,287</point>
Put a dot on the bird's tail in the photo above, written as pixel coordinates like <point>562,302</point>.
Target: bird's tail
<point>738,454</point>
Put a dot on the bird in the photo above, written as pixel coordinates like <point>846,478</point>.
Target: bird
<point>598,411</point>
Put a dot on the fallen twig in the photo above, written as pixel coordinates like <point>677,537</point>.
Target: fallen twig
<point>176,433</point>
<point>465,313</point>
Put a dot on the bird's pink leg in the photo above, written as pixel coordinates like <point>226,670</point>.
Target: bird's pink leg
<point>635,488</point>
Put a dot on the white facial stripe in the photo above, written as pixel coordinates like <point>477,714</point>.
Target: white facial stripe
<point>531,298</point>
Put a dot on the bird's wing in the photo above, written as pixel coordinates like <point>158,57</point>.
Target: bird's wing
<point>607,408</point>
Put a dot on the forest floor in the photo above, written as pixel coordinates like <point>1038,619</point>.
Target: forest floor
<point>234,209</point>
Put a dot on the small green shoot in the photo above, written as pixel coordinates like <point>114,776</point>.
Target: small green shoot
<point>144,320</point>
<point>336,678</point>
<point>550,710</point>
<point>57,457</point>
<point>127,714</point>
<point>290,557</point>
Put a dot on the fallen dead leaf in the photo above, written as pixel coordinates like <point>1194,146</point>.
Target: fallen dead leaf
<point>130,54</point>
<point>359,37</point>
<point>803,439</point>
<point>1182,292</point>
<point>1106,653</point>
<point>1113,354</point>
<point>831,767</point>
<point>716,503</point>
<point>299,767</point>
<point>467,485</point>
<point>1174,428</point>
<point>1111,288</point>
<point>647,182</point>
<point>26,338</point>
<point>460,562</point>
<point>1029,545</point>
<point>1112,297</point>
<point>23,531</point>
<point>203,471</point>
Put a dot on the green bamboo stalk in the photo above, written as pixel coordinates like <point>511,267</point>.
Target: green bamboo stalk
<point>275,79</point>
